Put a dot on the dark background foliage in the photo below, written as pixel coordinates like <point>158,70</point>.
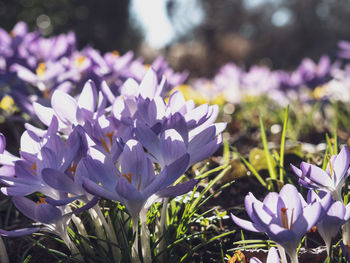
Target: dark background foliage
<point>244,31</point>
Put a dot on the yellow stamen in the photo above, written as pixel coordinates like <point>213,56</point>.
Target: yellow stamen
<point>330,165</point>
<point>115,53</point>
<point>105,146</point>
<point>291,220</point>
<point>73,168</point>
<point>46,94</point>
<point>7,103</point>
<point>80,60</point>
<point>41,69</point>
<point>12,34</point>
<point>319,92</point>
<point>139,185</point>
<point>128,177</point>
<point>284,217</point>
<point>33,168</point>
<point>41,201</point>
<point>110,136</point>
<point>147,66</point>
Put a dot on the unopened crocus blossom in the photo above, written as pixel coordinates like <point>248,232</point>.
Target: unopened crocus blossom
<point>332,179</point>
<point>272,257</point>
<point>284,217</point>
<point>335,215</point>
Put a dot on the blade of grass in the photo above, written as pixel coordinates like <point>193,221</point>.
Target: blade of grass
<point>226,151</point>
<point>325,159</point>
<point>268,156</point>
<point>335,124</point>
<point>207,174</point>
<point>252,169</point>
<point>204,244</point>
<point>329,144</point>
<point>283,141</point>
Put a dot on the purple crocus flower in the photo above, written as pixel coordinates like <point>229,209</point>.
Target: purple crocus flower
<point>135,184</point>
<point>284,217</point>
<point>344,51</point>
<point>332,179</point>
<point>39,154</point>
<point>335,215</point>
<point>272,257</point>
<point>313,74</point>
<point>70,111</point>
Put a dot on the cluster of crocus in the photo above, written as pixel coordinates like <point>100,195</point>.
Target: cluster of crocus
<point>286,217</point>
<point>94,147</point>
<point>310,81</point>
<point>33,67</point>
<point>331,180</point>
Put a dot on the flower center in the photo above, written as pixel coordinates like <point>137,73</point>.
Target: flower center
<point>41,201</point>
<point>129,177</point>
<point>33,168</point>
<point>284,218</point>
<point>41,69</point>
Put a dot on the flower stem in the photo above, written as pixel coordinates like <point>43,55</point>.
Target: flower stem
<point>282,253</point>
<point>3,253</point>
<point>73,249</point>
<point>81,230</point>
<point>109,230</point>
<point>163,218</point>
<point>145,238</point>
<point>135,246</point>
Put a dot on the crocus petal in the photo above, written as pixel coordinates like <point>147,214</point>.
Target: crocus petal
<point>19,232</point>
<point>107,92</point>
<point>149,84</point>
<point>19,190</point>
<point>149,140</point>
<point>133,161</point>
<point>2,143</point>
<point>316,175</point>
<point>95,189</point>
<point>65,107</point>
<point>87,98</point>
<point>247,225</point>
<point>59,181</point>
<point>205,151</point>
<point>178,189</point>
<point>311,214</point>
<point>47,213</point>
<point>329,226</point>
<point>293,205</point>
<point>168,175</point>
<point>130,88</point>
<point>25,206</point>
<point>264,217</point>
<point>44,114</point>
<point>87,206</point>
<point>255,260</point>
<point>341,163</point>
<point>172,146</point>
<point>61,202</point>
<point>176,102</point>
<point>128,191</point>
<point>201,139</point>
<point>273,256</point>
